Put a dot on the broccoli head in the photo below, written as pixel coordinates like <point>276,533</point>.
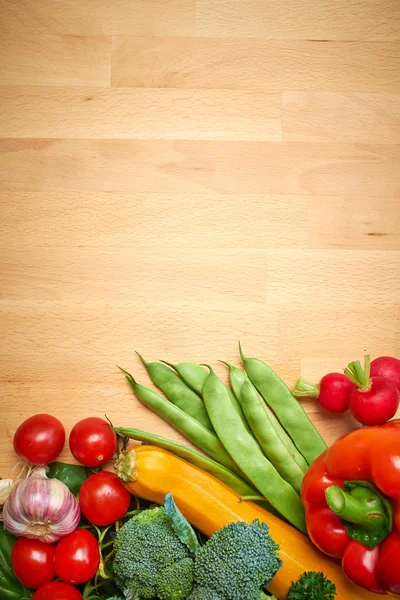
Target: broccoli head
<point>176,581</point>
<point>201,593</point>
<point>150,560</point>
<point>236,563</point>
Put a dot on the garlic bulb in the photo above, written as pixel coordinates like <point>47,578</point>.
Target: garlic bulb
<point>5,489</point>
<point>42,508</point>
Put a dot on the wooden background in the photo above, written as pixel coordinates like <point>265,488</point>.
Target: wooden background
<point>177,175</point>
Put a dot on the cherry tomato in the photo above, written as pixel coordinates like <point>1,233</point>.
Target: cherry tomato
<point>77,557</point>
<point>92,442</point>
<point>39,439</point>
<point>32,562</point>
<point>57,591</point>
<point>103,498</point>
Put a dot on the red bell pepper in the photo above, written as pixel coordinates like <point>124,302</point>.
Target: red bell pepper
<point>351,495</point>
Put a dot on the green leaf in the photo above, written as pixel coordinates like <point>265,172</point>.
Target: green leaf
<point>10,587</point>
<point>72,475</point>
<point>181,526</point>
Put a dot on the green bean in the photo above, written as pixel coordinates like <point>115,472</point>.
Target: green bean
<point>247,454</point>
<point>177,391</point>
<point>257,416</point>
<point>288,410</point>
<point>191,429</point>
<point>193,375</point>
<point>237,377</point>
<point>197,459</point>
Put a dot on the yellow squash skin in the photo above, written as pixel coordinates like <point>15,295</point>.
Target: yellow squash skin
<point>208,504</point>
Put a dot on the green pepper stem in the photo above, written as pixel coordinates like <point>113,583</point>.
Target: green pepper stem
<point>366,514</point>
<point>305,389</point>
<point>351,509</point>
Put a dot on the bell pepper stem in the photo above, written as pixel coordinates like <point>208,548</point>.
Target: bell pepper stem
<point>351,509</point>
<point>366,514</point>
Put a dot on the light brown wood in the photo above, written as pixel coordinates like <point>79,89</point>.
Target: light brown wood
<point>323,117</point>
<point>205,166</point>
<point>101,17</point>
<point>296,19</point>
<point>240,64</point>
<point>44,59</point>
<point>139,113</point>
<point>178,175</point>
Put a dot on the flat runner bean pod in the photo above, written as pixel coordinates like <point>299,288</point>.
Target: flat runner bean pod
<point>191,429</point>
<point>289,411</point>
<point>177,391</point>
<point>199,460</point>
<point>247,454</point>
<point>256,414</point>
<point>193,375</point>
<point>237,377</point>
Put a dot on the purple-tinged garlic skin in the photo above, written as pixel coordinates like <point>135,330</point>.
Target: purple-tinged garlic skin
<point>41,508</point>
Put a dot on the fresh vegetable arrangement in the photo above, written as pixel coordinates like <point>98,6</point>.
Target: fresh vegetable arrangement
<point>372,394</point>
<point>229,521</point>
<point>352,498</point>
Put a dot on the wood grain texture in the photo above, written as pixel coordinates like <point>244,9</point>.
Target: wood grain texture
<point>358,118</point>
<point>46,112</point>
<point>47,59</point>
<point>191,220</point>
<point>100,17</point>
<point>192,166</point>
<point>296,19</point>
<point>178,175</point>
<point>170,62</point>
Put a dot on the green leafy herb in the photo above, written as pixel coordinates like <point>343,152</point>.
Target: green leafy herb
<point>312,585</point>
<point>10,587</point>
<point>72,475</point>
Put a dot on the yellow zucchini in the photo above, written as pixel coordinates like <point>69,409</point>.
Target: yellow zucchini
<point>208,504</point>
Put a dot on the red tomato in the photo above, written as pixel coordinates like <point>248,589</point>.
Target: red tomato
<point>92,442</point>
<point>77,557</point>
<point>32,562</point>
<point>103,498</point>
<point>39,439</point>
<point>57,591</point>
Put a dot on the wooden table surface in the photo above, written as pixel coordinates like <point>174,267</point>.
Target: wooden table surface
<point>177,175</point>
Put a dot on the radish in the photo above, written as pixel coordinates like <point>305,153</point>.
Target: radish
<point>387,366</point>
<point>376,399</point>
<point>332,391</point>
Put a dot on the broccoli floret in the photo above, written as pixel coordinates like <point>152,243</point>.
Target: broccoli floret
<point>175,582</point>
<point>312,585</point>
<point>200,593</point>
<point>237,561</point>
<point>147,558</point>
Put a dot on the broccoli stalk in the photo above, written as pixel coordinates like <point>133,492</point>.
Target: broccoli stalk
<point>312,585</point>
<point>236,563</point>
